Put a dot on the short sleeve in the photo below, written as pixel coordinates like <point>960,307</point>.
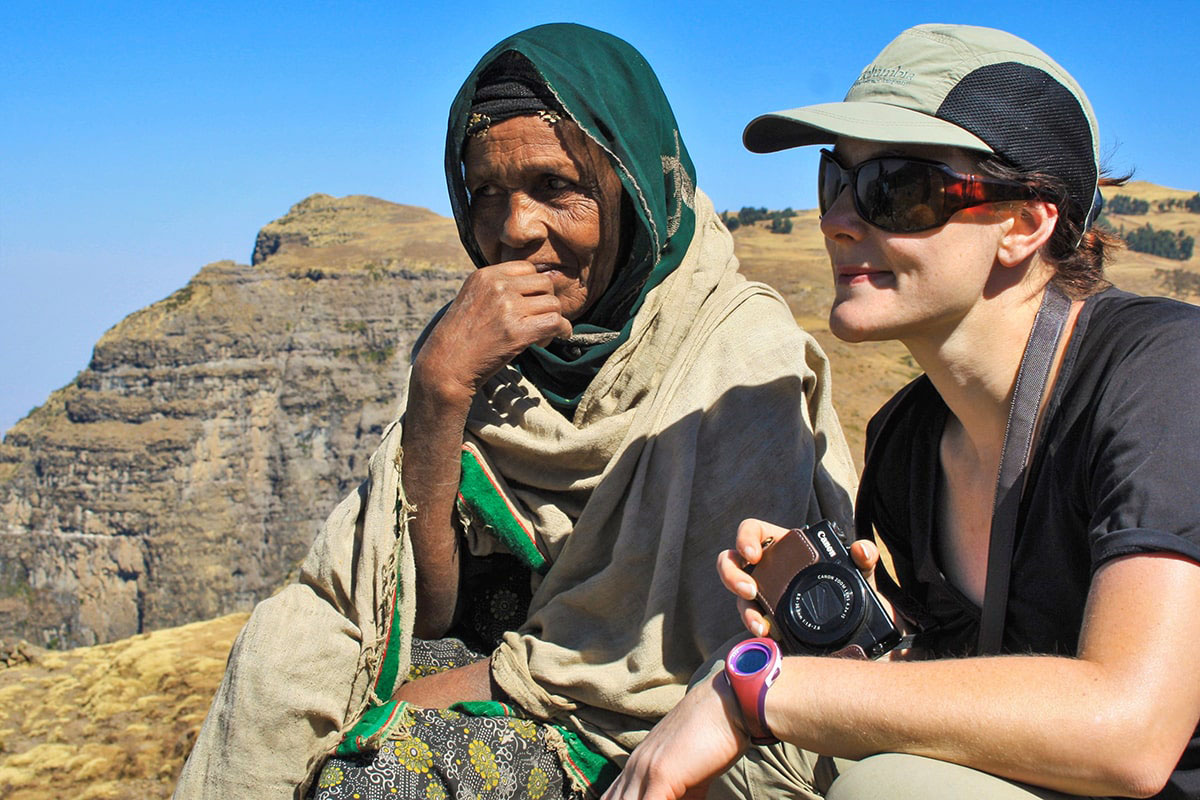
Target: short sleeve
<point>1145,454</point>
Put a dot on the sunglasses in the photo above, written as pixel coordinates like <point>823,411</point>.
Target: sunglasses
<point>907,195</point>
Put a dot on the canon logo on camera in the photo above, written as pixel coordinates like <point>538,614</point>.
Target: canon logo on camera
<point>825,543</point>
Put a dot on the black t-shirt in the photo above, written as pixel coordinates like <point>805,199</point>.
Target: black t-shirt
<point>1114,473</point>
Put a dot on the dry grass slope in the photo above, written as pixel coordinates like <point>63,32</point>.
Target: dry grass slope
<point>111,722</point>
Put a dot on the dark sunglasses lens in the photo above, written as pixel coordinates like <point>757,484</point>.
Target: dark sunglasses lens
<point>829,182</point>
<point>901,196</point>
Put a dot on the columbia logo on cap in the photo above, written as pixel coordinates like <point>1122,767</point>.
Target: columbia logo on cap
<point>896,76</point>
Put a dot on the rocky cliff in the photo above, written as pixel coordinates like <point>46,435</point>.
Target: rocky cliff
<point>184,472</point>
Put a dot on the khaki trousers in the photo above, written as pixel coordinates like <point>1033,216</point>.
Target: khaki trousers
<point>783,771</point>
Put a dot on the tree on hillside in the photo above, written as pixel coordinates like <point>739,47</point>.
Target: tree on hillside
<point>1124,204</point>
<point>1193,203</point>
<point>1178,282</point>
<point>750,215</point>
<point>1164,243</point>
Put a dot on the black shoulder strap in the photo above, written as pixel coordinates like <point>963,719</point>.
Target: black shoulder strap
<point>1014,459</point>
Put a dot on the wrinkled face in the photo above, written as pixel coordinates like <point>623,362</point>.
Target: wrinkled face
<point>907,285</point>
<point>546,193</point>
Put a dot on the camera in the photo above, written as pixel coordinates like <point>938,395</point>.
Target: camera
<point>817,600</point>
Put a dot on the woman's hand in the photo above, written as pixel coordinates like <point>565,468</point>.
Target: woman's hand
<point>748,549</point>
<point>698,740</point>
<point>500,310</point>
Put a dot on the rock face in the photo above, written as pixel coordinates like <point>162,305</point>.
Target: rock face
<point>183,474</point>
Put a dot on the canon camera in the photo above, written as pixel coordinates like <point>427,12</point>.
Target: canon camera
<point>817,600</point>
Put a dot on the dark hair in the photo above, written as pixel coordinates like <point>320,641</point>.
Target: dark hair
<point>1078,256</point>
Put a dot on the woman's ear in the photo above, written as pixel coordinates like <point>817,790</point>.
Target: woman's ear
<point>1032,226</point>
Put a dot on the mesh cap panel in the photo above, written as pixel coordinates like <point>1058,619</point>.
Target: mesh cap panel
<point>1004,103</point>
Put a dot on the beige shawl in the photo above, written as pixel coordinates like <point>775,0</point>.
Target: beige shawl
<point>717,408</point>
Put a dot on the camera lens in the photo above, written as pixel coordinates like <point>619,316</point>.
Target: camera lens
<point>823,605</point>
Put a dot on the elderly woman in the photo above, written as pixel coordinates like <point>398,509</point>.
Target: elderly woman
<point>588,420</point>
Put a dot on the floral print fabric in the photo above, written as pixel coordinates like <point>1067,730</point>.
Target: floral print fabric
<point>441,754</point>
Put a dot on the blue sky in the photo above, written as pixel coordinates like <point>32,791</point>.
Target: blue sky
<point>140,141</point>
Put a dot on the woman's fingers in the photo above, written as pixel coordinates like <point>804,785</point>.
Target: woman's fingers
<point>521,299</point>
<point>751,535</point>
<point>736,579</point>
<point>753,618</point>
<point>500,311</point>
<point>513,278</point>
<point>556,327</point>
<point>865,554</point>
<point>540,308</point>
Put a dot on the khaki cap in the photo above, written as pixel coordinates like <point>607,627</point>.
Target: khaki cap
<point>962,86</point>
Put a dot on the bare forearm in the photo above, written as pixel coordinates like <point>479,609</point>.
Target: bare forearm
<point>500,310</point>
<point>1114,720</point>
<point>432,440</point>
<point>443,689</point>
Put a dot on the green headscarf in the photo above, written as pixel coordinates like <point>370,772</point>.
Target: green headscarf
<point>611,93</point>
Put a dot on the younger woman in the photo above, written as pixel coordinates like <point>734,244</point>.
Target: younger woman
<point>957,206</point>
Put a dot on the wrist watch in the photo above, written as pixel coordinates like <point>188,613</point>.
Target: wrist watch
<point>751,667</point>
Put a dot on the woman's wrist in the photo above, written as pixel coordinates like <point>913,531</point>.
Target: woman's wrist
<point>429,384</point>
<point>719,685</point>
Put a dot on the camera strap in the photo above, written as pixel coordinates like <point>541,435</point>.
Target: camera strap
<point>1032,376</point>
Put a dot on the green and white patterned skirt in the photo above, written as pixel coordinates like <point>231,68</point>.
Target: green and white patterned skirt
<point>446,753</point>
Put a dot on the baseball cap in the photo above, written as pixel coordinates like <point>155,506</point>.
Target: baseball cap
<point>963,86</point>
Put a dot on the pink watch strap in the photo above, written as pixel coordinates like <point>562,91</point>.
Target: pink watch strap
<point>751,667</point>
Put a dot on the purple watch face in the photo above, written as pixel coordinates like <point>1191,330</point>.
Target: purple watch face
<point>749,658</point>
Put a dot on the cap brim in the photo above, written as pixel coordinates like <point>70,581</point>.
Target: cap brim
<point>875,122</point>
